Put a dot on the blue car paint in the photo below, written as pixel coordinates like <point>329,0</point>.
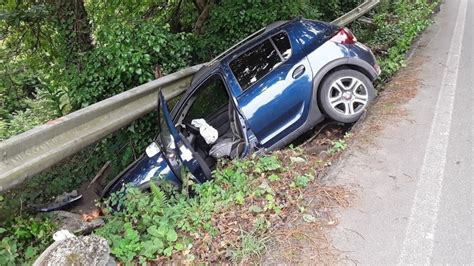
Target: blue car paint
<point>273,111</point>
<point>359,50</point>
<point>281,97</point>
<point>157,167</point>
<point>141,172</point>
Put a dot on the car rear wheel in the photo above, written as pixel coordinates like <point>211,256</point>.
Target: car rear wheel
<point>345,95</point>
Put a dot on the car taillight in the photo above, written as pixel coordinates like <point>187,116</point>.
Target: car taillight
<point>344,36</point>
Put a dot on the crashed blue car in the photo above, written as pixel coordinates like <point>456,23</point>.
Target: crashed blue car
<point>259,95</point>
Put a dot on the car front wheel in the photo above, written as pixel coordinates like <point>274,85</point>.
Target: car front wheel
<point>345,94</point>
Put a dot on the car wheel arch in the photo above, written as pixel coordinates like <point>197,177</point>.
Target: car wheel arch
<point>338,64</point>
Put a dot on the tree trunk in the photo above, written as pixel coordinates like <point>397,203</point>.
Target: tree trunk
<point>200,5</point>
<point>203,7</point>
<point>74,25</point>
<point>174,20</point>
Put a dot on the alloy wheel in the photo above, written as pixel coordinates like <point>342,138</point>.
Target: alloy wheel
<point>348,96</point>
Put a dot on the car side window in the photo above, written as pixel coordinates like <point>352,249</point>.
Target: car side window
<point>283,44</point>
<point>252,65</point>
<point>208,98</point>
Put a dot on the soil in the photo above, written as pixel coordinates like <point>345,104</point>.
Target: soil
<point>389,105</point>
<point>89,199</point>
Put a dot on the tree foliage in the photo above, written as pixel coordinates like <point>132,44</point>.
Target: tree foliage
<point>61,55</point>
<point>231,21</point>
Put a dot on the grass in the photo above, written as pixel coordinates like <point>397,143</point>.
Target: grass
<point>252,248</point>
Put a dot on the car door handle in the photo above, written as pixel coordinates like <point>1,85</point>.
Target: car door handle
<point>298,71</point>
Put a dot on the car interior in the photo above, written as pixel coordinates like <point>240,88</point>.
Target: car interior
<point>210,101</point>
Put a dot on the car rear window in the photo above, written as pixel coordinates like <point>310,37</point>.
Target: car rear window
<point>252,65</point>
<point>283,44</point>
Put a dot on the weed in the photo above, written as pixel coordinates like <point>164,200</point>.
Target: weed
<point>302,180</point>
<point>160,223</point>
<point>273,178</point>
<point>268,163</point>
<point>251,247</point>
<point>396,25</point>
<point>24,238</point>
<point>337,146</point>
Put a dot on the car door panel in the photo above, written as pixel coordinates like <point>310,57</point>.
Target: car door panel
<point>177,149</point>
<point>279,103</point>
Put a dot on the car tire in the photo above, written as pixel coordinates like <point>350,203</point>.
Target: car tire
<point>343,100</point>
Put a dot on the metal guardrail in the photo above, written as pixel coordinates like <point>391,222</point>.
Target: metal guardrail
<point>355,13</point>
<point>31,152</point>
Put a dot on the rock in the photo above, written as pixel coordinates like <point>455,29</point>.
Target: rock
<point>318,149</point>
<point>62,235</point>
<point>74,223</point>
<point>66,196</point>
<point>82,250</point>
<point>296,159</point>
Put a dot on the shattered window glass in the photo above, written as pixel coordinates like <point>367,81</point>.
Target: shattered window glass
<point>252,65</point>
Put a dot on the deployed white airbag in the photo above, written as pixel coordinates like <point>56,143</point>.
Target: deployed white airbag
<point>209,133</point>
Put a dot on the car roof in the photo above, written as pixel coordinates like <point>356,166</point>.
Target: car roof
<point>249,38</point>
<point>208,67</point>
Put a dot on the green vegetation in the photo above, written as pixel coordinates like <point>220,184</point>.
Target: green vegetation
<point>395,25</point>
<point>24,238</point>
<point>56,57</point>
<point>165,222</point>
<point>339,145</point>
<point>251,247</point>
<point>47,73</point>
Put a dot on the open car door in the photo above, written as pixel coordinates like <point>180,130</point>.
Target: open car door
<point>176,149</point>
<point>166,158</point>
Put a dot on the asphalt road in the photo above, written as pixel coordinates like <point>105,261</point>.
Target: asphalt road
<point>415,181</point>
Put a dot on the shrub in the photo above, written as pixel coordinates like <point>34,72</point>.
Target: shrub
<point>125,57</point>
<point>161,223</point>
<point>23,239</point>
<point>396,25</point>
